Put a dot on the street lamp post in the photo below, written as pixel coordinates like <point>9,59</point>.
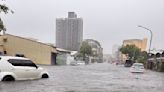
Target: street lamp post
<point>150,37</point>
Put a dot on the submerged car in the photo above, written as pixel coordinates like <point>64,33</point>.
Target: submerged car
<point>73,63</point>
<point>128,63</point>
<point>76,63</point>
<point>80,63</point>
<point>137,68</point>
<point>20,68</point>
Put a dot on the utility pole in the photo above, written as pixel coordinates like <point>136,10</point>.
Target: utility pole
<point>151,33</point>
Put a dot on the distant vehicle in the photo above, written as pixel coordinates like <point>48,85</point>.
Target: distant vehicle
<point>137,68</point>
<point>73,63</point>
<point>128,63</point>
<point>19,68</point>
<point>80,63</point>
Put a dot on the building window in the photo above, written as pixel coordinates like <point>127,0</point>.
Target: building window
<point>5,40</point>
<point>5,52</point>
<point>1,53</point>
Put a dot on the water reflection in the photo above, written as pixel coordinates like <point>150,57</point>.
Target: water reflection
<point>90,78</point>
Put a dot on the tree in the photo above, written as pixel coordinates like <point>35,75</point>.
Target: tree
<point>3,9</point>
<point>143,57</point>
<point>85,50</point>
<point>131,51</point>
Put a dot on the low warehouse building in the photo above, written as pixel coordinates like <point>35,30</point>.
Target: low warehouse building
<point>38,52</point>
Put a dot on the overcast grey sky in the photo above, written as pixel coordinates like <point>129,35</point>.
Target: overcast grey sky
<point>108,21</point>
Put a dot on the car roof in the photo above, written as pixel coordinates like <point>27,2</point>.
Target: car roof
<point>13,57</point>
<point>137,64</point>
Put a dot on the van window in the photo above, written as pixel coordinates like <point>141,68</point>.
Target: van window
<point>19,62</point>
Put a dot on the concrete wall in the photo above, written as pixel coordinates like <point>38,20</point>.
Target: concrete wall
<point>61,59</point>
<point>39,53</point>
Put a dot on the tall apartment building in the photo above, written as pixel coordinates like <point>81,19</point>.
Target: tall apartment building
<point>69,32</point>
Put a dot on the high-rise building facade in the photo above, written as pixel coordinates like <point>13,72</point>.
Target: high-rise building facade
<point>69,32</point>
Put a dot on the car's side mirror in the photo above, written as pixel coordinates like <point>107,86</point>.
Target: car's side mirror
<point>36,66</point>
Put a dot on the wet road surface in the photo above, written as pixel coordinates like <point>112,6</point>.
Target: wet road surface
<point>102,77</point>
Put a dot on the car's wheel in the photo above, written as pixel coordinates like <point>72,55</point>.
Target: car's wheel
<point>45,76</point>
<point>8,78</point>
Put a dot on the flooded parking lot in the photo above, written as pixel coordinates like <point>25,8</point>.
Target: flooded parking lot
<point>102,77</point>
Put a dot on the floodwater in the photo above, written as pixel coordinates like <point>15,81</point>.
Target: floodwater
<point>101,77</point>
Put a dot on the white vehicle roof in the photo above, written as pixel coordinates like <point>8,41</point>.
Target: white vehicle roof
<point>138,64</point>
<point>13,57</point>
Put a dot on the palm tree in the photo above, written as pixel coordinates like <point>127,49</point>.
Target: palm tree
<point>3,9</point>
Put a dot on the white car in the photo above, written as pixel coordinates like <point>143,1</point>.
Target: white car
<point>80,63</point>
<point>76,63</point>
<point>20,68</point>
<point>73,63</point>
<point>137,68</point>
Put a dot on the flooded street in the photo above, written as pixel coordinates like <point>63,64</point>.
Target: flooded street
<point>102,77</point>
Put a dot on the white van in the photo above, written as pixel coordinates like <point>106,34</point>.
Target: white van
<point>19,68</point>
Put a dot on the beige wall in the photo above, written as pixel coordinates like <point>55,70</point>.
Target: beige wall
<point>142,44</point>
<point>40,53</point>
